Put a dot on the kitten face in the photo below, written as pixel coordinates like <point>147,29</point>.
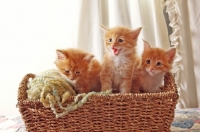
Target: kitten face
<point>73,64</point>
<point>156,60</point>
<point>71,70</point>
<point>120,40</point>
<point>154,64</point>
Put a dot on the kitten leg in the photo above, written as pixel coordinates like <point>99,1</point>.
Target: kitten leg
<point>106,83</point>
<point>84,90</point>
<point>136,85</point>
<point>105,78</point>
<point>82,86</point>
<point>159,89</point>
<point>136,89</point>
<point>125,86</point>
<point>162,87</point>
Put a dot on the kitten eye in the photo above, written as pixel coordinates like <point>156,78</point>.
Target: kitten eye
<point>67,71</point>
<point>110,40</point>
<point>78,72</point>
<point>148,61</point>
<point>120,40</point>
<point>158,64</point>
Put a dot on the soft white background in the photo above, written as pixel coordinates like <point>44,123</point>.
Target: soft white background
<point>30,32</point>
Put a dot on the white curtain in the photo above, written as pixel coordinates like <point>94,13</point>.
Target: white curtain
<point>194,54</point>
<point>184,18</point>
<point>189,32</point>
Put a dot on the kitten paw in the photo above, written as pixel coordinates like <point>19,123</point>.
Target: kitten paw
<point>158,90</point>
<point>103,89</point>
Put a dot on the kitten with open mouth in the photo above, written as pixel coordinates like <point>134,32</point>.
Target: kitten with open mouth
<point>119,59</point>
<point>116,51</point>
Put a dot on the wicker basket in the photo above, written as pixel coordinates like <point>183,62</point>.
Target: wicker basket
<point>110,113</point>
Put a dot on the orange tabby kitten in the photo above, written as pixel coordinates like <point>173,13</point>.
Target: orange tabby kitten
<point>119,59</point>
<point>80,69</point>
<point>155,62</point>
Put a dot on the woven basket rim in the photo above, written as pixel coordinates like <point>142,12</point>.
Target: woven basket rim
<point>165,94</point>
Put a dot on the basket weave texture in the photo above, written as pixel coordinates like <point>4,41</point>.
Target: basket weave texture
<point>104,113</point>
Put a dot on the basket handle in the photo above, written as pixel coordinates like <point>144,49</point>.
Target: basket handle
<point>169,82</point>
<point>22,94</point>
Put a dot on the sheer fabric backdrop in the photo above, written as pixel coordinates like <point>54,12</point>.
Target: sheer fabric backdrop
<point>130,13</point>
<point>184,20</point>
<point>193,56</point>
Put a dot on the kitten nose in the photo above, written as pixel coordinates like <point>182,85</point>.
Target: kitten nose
<point>151,69</point>
<point>113,46</point>
<point>72,78</point>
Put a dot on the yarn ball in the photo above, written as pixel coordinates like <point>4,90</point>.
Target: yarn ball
<point>44,85</point>
<point>52,89</point>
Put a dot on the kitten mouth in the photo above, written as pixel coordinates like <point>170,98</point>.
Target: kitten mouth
<point>151,73</point>
<point>116,51</point>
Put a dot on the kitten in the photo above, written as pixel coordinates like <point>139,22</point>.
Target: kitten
<point>80,69</point>
<point>155,63</point>
<point>119,58</point>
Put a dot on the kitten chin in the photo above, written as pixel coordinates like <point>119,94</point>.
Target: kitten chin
<point>154,73</point>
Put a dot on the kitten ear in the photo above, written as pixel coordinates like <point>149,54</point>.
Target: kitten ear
<point>105,29</point>
<point>146,45</point>
<point>60,55</point>
<point>135,33</point>
<point>171,54</point>
<point>88,57</point>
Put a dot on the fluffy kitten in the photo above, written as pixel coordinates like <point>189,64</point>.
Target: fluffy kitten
<point>119,58</point>
<point>155,62</point>
<point>80,69</point>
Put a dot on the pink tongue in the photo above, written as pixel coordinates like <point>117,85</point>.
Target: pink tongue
<point>115,51</point>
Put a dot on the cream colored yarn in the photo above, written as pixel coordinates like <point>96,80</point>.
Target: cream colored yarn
<point>53,90</point>
<point>76,104</point>
<point>42,87</point>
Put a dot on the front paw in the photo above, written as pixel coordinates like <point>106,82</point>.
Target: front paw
<point>125,90</point>
<point>158,90</point>
<point>105,88</point>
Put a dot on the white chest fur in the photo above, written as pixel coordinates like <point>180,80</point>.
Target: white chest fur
<point>121,64</point>
<point>150,83</point>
